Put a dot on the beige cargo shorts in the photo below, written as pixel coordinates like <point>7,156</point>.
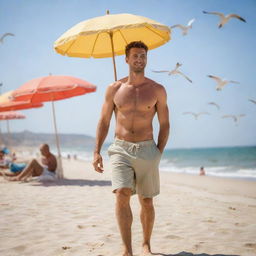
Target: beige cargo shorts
<point>135,166</point>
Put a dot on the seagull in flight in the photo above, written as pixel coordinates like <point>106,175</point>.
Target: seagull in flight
<point>234,117</point>
<point>221,82</point>
<point>174,72</point>
<point>253,101</point>
<point>184,29</point>
<point>214,104</point>
<point>5,35</point>
<point>225,18</point>
<point>196,115</point>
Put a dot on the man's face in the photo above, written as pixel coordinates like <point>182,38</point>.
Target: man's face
<point>43,150</point>
<point>137,59</point>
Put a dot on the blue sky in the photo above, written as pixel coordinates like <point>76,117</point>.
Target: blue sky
<point>228,52</point>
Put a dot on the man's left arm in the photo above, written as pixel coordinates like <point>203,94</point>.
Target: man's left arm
<point>163,118</point>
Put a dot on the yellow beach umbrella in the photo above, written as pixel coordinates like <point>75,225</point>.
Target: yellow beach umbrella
<point>107,36</point>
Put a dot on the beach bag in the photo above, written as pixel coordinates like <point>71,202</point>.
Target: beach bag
<point>17,167</point>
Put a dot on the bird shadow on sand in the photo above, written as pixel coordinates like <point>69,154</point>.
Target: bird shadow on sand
<point>193,254</point>
<point>73,182</point>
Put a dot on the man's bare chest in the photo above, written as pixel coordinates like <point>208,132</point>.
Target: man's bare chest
<point>132,98</point>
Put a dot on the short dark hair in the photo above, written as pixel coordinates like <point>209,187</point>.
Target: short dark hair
<point>135,44</point>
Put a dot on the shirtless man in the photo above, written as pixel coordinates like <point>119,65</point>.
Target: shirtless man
<point>134,156</point>
<point>47,166</point>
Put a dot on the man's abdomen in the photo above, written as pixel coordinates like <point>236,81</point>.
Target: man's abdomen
<point>134,128</point>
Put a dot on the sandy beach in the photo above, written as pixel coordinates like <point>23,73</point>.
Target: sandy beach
<point>75,216</point>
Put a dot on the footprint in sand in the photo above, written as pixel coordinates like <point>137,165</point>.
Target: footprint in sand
<point>81,226</point>
<point>66,247</point>
<point>210,221</point>
<point>240,224</point>
<point>250,245</point>
<point>197,246</point>
<point>94,246</point>
<point>19,248</point>
<point>109,235</point>
<point>173,237</point>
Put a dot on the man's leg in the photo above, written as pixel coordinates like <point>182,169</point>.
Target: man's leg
<point>9,174</point>
<point>147,217</point>
<point>31,170</point>
<point>124,218</point>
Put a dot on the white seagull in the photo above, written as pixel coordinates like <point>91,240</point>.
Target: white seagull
<point>253,101</point>
<point>225,18</point>
<point>184,29</point>
<point>214,104</point>
<point>5,35</point>
<point>196,115</point>
<point>173,72</point>
<point>222,82</point>
<point>235,117</point>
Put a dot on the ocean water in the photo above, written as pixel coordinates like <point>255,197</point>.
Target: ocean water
<point>234,162</point>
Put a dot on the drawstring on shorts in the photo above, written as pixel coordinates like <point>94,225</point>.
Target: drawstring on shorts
<point>134,148</point>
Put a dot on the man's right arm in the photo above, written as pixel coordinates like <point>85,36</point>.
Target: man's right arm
<point>103,126</point>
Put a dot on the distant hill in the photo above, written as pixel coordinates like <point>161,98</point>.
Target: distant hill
<point>32,139</point>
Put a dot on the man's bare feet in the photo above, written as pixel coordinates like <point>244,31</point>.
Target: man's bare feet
<point>126,254</point>
<point>13,179</point>
<point>5,176</point>
<point>146,251</point>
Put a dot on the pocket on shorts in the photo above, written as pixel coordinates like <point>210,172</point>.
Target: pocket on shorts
<point>109,149</point>
<point>157,149</point>
<point>113,148</point>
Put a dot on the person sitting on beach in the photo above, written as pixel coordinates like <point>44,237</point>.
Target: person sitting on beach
<point>14,157</point>
<point>47,167</point>
<point>4,161</point>
<point>202,171</point>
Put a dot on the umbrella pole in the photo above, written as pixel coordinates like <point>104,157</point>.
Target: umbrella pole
<point>113,54</point>
<point>1,138</point>
<point>59,165</point>
<point>9,135</point>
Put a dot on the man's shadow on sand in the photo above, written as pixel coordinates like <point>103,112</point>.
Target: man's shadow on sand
<point>192,254</point>
<point>73,182</point>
